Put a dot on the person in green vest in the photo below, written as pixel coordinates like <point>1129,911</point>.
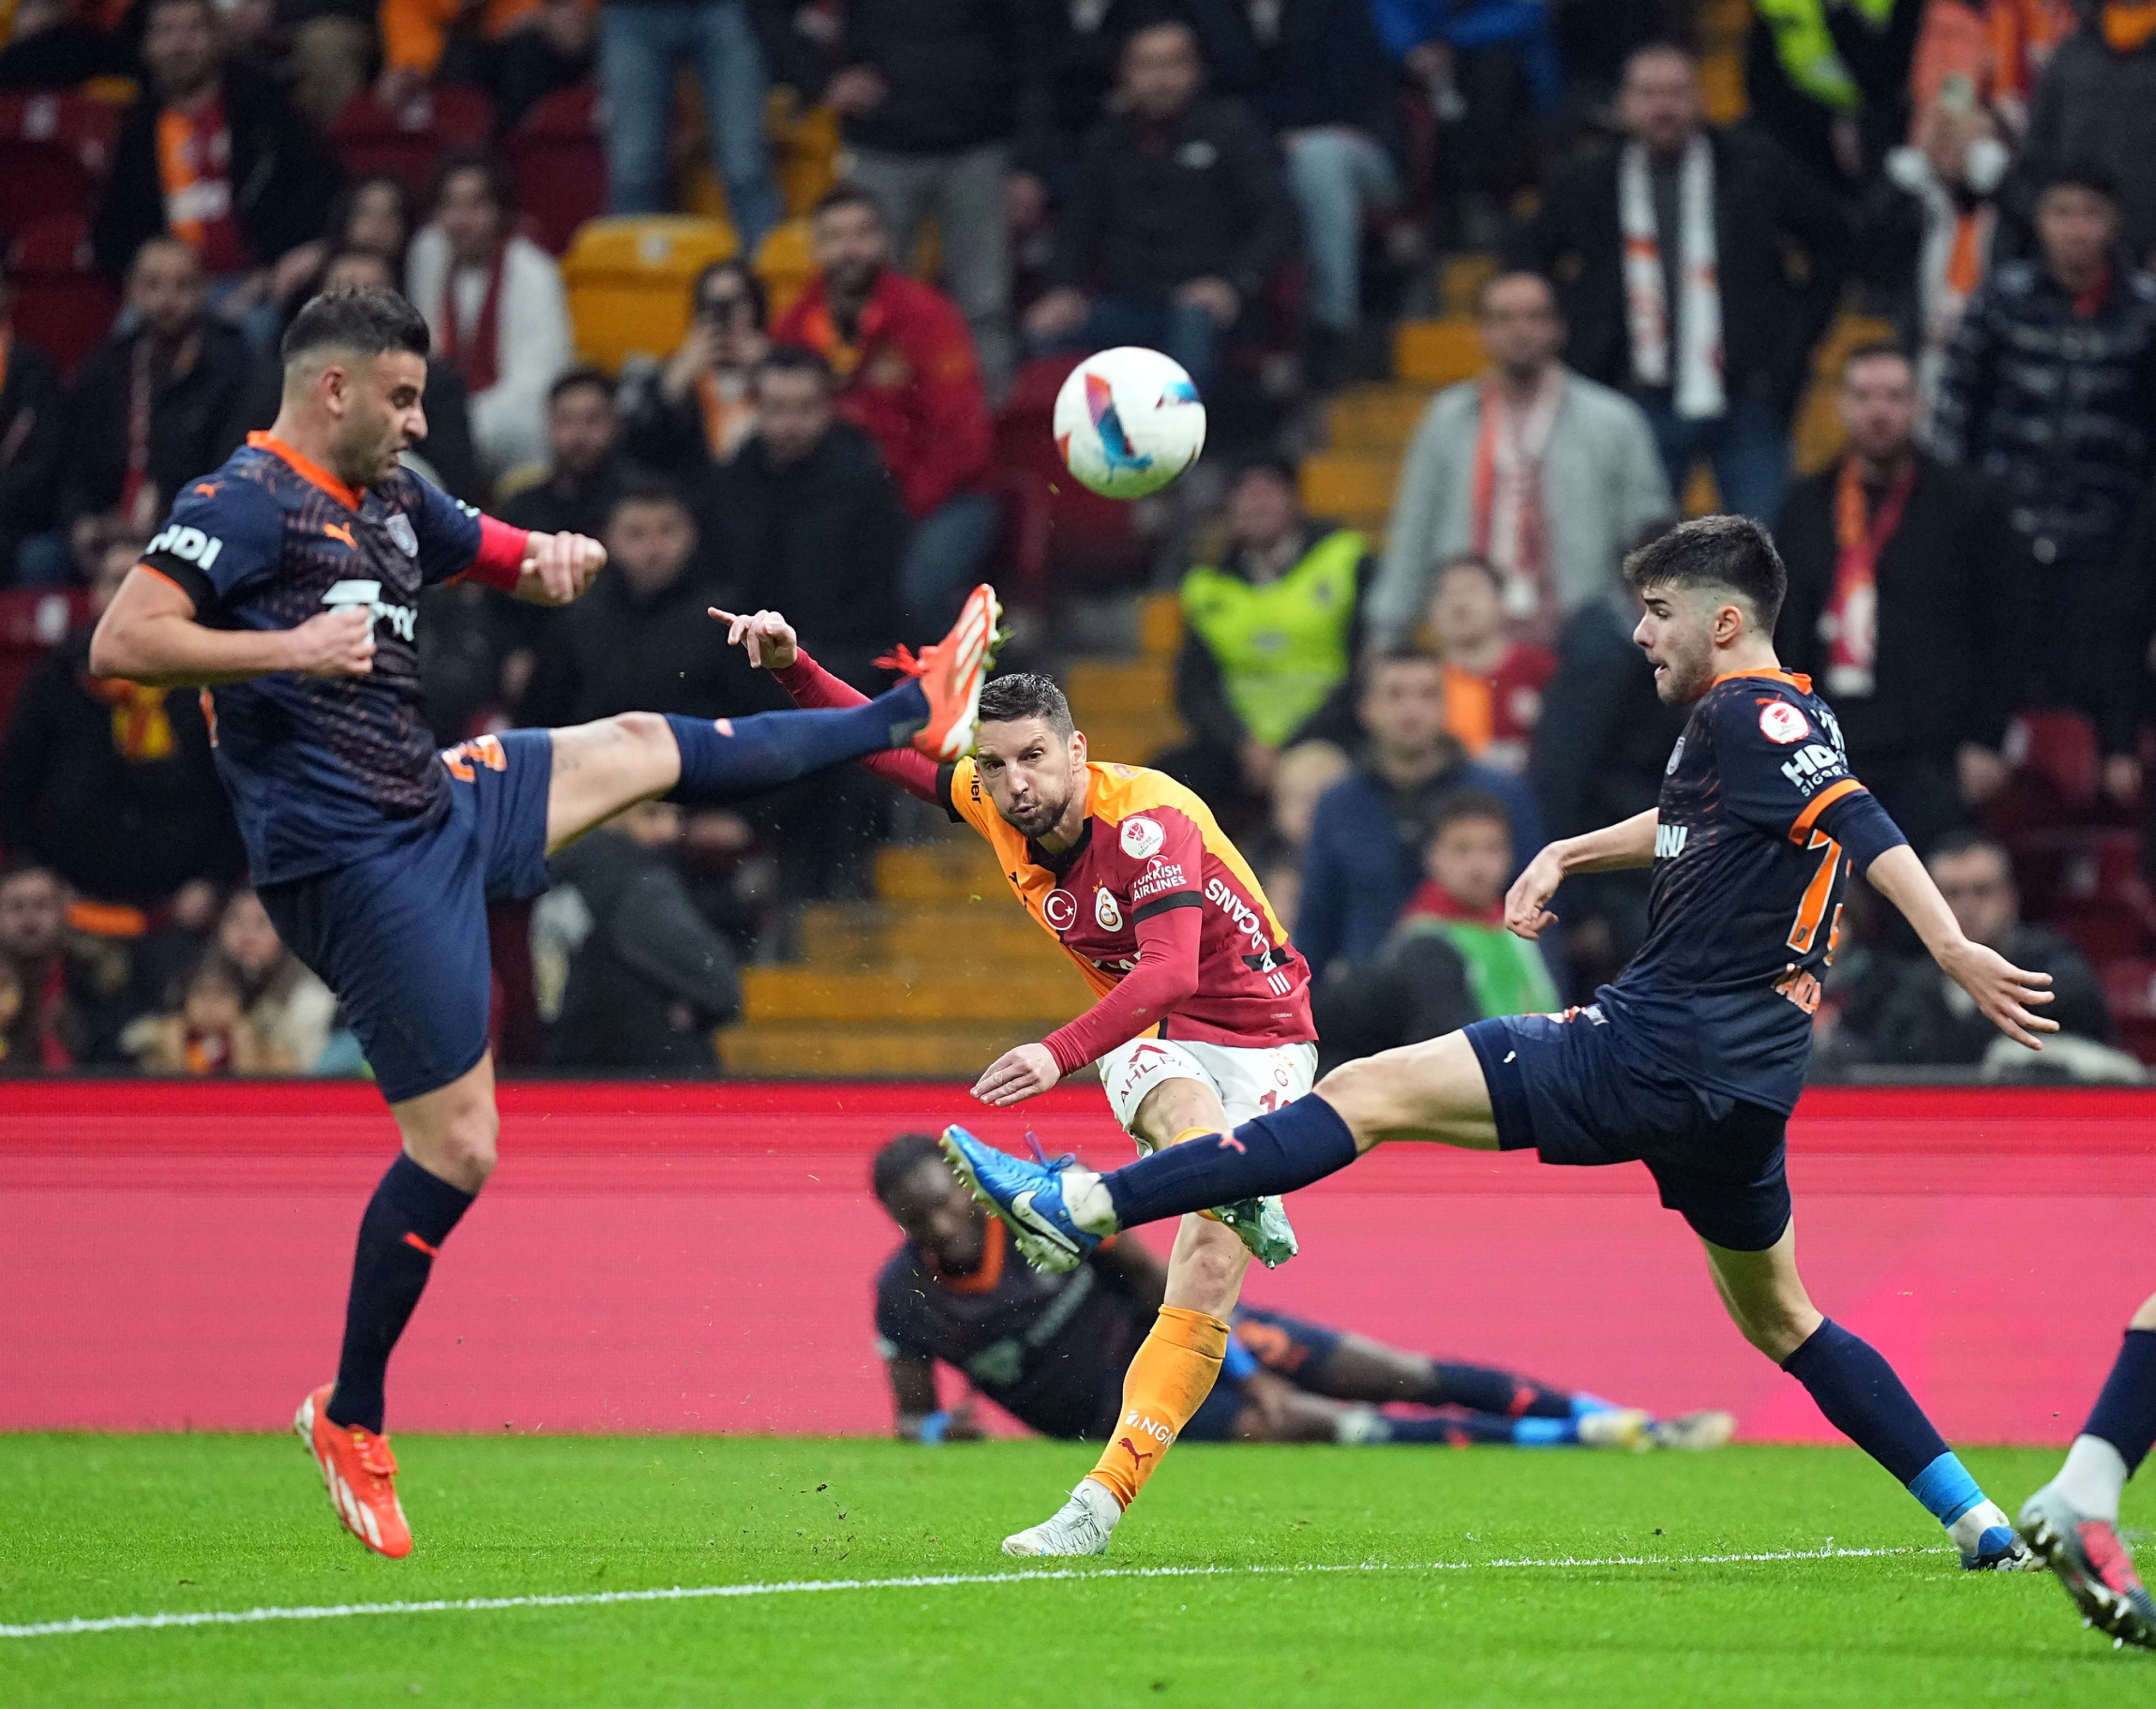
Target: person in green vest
<point>1272,623</point>
<point>1831,77</point>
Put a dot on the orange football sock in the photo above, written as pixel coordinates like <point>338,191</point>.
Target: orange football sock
<point>1167,1382</point>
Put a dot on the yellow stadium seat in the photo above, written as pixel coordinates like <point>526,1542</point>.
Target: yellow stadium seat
<point>628,281</point>
<point>784,263</point>
<point>1437,352</point>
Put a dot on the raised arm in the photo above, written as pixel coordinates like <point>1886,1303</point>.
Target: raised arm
<point>2006,994</point>
<point>148,635</point>
<point>1628,843</point>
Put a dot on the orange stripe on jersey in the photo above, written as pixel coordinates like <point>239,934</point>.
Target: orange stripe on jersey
<point>351,497</point>
<point>1802,685</point>
<point>1812,909</point>
<point>1819,804</point>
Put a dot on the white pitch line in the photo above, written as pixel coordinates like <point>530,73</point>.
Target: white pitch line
<point>600,1598</point>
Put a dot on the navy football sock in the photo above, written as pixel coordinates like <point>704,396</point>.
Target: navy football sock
<point>1867,1401</point>
<point>727,759</point>
<point>1480,1388</point>
<point>2125,1414</point>
<point>1276,1153</point>
<point>407,1220</point>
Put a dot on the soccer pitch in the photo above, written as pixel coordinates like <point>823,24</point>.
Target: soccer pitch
<point>1756,1576</point>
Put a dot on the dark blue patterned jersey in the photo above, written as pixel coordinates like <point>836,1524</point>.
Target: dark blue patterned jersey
<point>1746,898</point>
<point>319,769</point>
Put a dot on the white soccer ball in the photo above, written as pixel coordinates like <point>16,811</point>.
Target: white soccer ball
<point>1128,421</point>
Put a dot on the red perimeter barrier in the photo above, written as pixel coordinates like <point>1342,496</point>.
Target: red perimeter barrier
<point>700,1258</point>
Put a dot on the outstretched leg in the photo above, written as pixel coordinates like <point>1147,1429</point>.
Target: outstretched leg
<point>1861,1396</point>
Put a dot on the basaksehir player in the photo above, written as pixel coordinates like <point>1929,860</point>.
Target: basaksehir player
<point>2072,1522</point>
<point>287,584</point>
<point>1692,1061</point>
<point>1203,1016</point>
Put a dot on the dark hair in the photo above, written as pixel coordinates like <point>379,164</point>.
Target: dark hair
<point>570,379</point>
<point>1024,694</point>
<point>1503,274</point>
<point>753,287</point>
<point>647,489</point>
<point>1732,553</point>
<point>1874,350</point>
<point>1159,18</point>
<point>1967,841</point>
<point>2081,174</point>
<point>348,199</point>
<point>1657,44</point>
<point>160,5</point>
<point>1395,653</point>
<point>793,359</point>
<point>1457,806</point>
<point>845,195</point>
<point>905,1153</point>
<point>472,160</point>
<point>371,320</point>
<point>1281,468</point>
<point>1469,561</point>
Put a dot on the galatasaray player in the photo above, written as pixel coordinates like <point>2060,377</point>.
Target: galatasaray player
<point>1202,1017</point>
<point>287,584</point>
<point>1692,1061</point>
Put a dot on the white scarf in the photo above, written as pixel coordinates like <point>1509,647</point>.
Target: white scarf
<point>1518,542</point>
<point>1698,382</point>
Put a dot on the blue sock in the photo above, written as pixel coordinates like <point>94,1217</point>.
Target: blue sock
<point>1865,1401</point>
<point>727,759</point>
<point>1276,1154</point>
<point>2125,1414</point>
<point>410,1215</point>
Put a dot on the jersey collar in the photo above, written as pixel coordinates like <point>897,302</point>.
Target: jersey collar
<point>1802,685</point>
<point>351,497</point>
<point>1060,864</point>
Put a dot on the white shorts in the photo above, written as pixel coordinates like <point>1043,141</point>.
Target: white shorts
<point>1249,1080</point>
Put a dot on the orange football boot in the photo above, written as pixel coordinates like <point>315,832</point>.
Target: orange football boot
<point>950,672</point>
<point>360,1472</point>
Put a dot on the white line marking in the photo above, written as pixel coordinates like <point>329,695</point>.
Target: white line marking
<point>599,1599</point>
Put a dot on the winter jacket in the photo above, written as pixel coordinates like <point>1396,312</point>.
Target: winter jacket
<point>953,69</point>
<point>2092,103</point>
<point>197,418</point>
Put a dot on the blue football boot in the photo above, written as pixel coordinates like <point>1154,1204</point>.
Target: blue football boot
<point>1027,1196</point>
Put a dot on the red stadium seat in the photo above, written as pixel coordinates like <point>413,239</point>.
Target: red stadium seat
<point>55,150</point>
<point>405,141</point>
<point>32,621</point>
<point>2058,749</point>
<point>1089,539</point>
<point>63,304</point>
<point>556,160</point>
<point>2129,989</point>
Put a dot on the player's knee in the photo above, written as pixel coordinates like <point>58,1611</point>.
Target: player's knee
<point>464,1150</point>
<point>1777,1325</point>
<point>1358,1091</point>
<point>647,731</point>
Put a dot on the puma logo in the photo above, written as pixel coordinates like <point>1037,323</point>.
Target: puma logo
<point>208,488</point>
<point>339,530</point>
<point>1229,1141</point>
<point>1131,1448</point>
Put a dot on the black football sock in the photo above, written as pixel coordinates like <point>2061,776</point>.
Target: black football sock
<point>1483,1388</point>
<point>725,759</point>
<point>407,1220</point>
<point>1274,1153</point>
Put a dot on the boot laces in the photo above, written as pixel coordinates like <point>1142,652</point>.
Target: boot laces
<point>1040,1156</point>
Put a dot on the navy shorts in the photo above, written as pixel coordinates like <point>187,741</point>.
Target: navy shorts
<point>1566,1087</point>
<point>1287,1347</point>
<point>400,933</point>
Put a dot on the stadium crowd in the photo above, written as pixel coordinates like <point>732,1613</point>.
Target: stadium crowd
<point>1262,188</point>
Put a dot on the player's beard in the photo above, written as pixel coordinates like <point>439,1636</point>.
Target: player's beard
<point>1037,819</point>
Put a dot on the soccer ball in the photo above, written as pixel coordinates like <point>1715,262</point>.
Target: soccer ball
<point>1128,422</point>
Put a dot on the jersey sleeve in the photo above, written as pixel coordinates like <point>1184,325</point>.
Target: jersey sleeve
<point>1169,850</point>
<point>448,531</point>
<point>966,798</point>
<point>222,539</point>
<point>1779,770</point>
<point>899,1333</point>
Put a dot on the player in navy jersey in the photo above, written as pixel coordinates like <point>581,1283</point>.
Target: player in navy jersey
<point>286,583</point>
<point>1692,1061</point>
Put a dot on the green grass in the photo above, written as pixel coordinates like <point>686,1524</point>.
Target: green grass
<point>99,1526</point>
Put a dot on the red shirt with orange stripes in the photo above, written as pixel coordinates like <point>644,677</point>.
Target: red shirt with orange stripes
<point>1745,904</point>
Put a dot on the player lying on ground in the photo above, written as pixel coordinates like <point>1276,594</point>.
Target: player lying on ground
<point>1692,1061</point>
<point>1202,1017</point>
<point>1050,1348</point>
<point>2073,1520</point>
<point>287,583</point>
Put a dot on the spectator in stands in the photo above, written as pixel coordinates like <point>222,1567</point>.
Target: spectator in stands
<point>1829,81</point>
<point>2050,394</point>
<point>206,1032</point>
<point>516,50</point>
<point>1300,775</point>
<point>1177,218</point>
<point>1366,847</point>
<point>1545,473</point>
<point>1908,606</point>
<point>212,154</point>
<point>647,977</point>
<point>908,378</point>
<point>927,96</point>
<point>698,410</point>
<point>375,215</point>
<point>289,1010</point>
<point>494,303</point>
<point>33,440</point>
<point>1321,82</point>
<point>332,53</point>
<point>109,783</point>
<point>639,639</point>
<point>158,404</point>
<point>61,44</point>
<point>66,998</point>
<point>585,467</point>
<point>2095,105</point>
<point>1931,229</point>
<point>806,521</point>
<point>1995,49</point>
<point>1907,1014</point>
<point>1270,629</point>
<point>640,41</point>
<point>1493,679</point>
<point>1488,69</point>
<point>1673,251</point>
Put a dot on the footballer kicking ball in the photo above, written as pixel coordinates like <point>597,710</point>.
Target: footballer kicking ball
<point>1128,422</point>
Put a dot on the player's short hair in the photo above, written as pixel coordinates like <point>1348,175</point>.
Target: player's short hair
<point>1731,553</point>
<point>575,378</point>
<point>1468,560</point>
<point>2081,173</point>
<point>904,1153</point>
<point>794,359</point>
<point>1874,350</point>
<point>845,195</point>
<point>1458,806</point>
<point>1965,841</point>
<point>1026,693</point>
<point>371,320</point>
<point>647,489</point>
